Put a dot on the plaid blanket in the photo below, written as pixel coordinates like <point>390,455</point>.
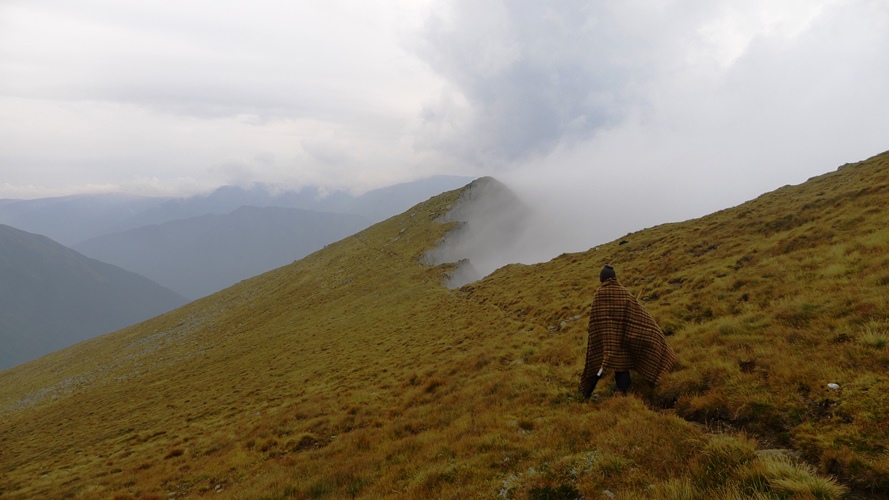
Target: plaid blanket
<point>623,336</point>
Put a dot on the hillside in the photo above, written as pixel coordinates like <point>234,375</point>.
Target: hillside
<point>355,372</point>
<point>201,255</point>
<point>52,297</point>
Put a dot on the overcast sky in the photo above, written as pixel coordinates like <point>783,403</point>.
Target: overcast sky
<point>624,114</point>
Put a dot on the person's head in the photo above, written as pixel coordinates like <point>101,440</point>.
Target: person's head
<point>607,273</point>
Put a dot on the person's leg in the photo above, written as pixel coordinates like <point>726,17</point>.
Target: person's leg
<point>589,386</point>
<point>623,381</point>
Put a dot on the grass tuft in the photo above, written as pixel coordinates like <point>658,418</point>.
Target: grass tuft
<point>720,460</point>
<point>786,477</point>
<point>874,334</point>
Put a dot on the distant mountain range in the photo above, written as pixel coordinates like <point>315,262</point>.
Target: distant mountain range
<point>203,243</point>
<point>52,297</point>
<point>155,254</point>
<point>75,219</point>
<point>200,255</point>
<point>72,219</point>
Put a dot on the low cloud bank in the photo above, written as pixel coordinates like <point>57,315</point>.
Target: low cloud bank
<point>490,219</point>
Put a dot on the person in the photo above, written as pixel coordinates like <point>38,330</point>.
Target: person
<point>622,337</point>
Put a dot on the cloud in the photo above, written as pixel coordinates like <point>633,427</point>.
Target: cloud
<point>611,117</point>
<point>528,76</point>
<point>168,89</point>
<point>525,79</point>
<point>202,59</point>
<point>718,100</point>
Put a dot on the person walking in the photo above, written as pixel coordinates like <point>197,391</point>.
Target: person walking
<point>622,337</point>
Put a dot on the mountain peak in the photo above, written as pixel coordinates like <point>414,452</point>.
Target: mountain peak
<point>489,218</point>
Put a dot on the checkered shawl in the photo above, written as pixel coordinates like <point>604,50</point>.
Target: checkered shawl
<point>623,336</point>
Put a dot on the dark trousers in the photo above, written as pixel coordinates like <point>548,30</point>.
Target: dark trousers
<point>622,379</point>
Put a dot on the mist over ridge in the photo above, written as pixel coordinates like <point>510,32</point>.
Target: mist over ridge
<point>491,222</point>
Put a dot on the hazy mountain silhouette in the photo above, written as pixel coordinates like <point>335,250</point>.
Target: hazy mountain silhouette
<point>52,297</point>
<point>225,199</point>
<point>71,220</point>
<point>201,255</point>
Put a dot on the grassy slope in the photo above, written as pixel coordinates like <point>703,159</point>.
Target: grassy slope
<point>353,371</point>
<point>770,301</point>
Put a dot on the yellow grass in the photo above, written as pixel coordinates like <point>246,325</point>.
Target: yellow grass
<point>355,373</point>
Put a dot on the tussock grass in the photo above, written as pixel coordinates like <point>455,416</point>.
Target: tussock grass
<point>874,334</point>
<point>355,373</point>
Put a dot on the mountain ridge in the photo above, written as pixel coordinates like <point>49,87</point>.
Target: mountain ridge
<point>74,219</point>
<point>53,297</point>
<point>201,255</point>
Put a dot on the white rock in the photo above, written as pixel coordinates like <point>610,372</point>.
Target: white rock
<point>833,386</point>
